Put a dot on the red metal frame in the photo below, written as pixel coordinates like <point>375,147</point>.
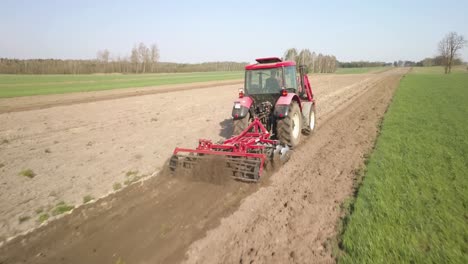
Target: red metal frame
<point>310,95</point>
<point>237,146</point>
<point>245,101</point>
<point>286,100</point>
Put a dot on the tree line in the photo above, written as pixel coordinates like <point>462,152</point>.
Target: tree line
<point>438,61</point>
<point>448,54</point>
<point>427,62</point>
<point>142,59</point>
<point>54,66</point>
<point>362,64</point>
<point>316,63</point>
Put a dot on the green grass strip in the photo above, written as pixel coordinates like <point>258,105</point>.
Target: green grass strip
<point>412,205</point>
<point>25,85</point>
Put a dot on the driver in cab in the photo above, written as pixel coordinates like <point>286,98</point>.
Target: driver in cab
<point>272,83</point>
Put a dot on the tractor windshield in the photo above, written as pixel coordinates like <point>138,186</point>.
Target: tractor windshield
<point>264,81</point>
<point>270,81</point>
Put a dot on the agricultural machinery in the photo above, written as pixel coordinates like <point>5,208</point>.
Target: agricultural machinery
<point>275,108</point>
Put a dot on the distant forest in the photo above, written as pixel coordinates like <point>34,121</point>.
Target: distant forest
<point>427,62</point>
<point>54,66</point>
<point>142,59</point>
<point>362,64</point>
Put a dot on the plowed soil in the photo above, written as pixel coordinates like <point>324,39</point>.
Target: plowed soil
<point>287,217</point>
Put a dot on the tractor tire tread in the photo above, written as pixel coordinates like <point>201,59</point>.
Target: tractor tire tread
<point>240,125</point>
<point>283,127</point>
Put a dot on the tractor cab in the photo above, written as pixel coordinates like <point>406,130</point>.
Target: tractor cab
<point>278,97</point>
<point>272,77</point>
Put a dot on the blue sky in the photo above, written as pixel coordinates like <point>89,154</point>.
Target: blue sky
<point>197,31</point>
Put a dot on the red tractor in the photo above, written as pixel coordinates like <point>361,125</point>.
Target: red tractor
<point>274,108</point>
<point>279,98</point>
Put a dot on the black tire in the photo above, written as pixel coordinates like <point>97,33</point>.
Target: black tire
<point>285,127</point>
<point>240,124</point>
<point>310,129</point>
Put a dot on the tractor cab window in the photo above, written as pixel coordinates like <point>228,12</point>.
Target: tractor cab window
<point>264,81</point>
<point>290,79</point>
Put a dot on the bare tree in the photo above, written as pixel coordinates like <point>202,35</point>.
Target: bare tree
<point>135,59</point>
<point>314,62</point>
<point>291,54</point>
<point>154,56</point>
<point>103,60</point>
<point>144,55</point>
<point>319,63</point>
<point>449,47</point>
<point>103,56</point>
<point>304,58</point>
<point>334,62</point>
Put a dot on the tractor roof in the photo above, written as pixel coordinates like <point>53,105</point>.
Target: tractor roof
<point>268,63</point>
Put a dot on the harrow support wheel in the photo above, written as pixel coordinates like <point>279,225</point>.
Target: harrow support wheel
<point>311,123</point>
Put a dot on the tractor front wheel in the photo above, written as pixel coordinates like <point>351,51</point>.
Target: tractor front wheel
<point>311,127</point>
<point>289,128</point>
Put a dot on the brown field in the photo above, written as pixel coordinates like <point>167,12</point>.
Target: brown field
<point>82,144</point>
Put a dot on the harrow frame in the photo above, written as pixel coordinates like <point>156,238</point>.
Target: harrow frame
<point>252,143</point>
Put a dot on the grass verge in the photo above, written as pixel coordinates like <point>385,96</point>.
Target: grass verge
<point>412,204</point>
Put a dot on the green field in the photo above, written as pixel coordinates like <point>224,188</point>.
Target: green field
<point>24,85</point>
<point>360,70</point>
<point>412,204</point>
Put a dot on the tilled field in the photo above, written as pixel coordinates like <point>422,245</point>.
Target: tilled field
<point>85,148</point>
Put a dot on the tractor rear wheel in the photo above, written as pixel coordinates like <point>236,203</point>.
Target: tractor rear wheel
<point>240,124</point>
<point>289,128</point>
